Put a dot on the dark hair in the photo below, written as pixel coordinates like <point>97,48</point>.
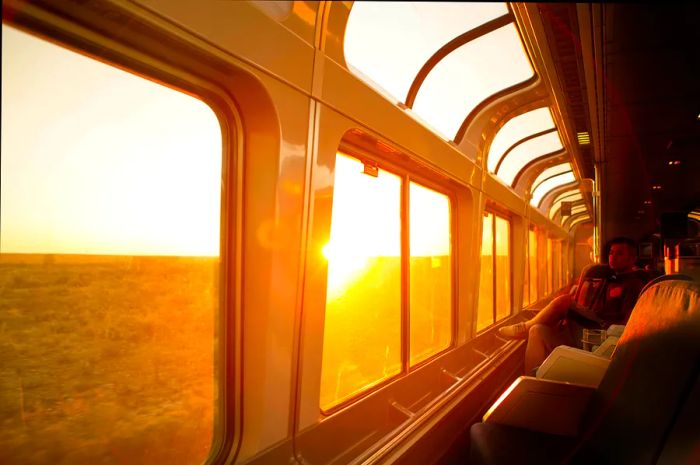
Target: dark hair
<point>623,240</point>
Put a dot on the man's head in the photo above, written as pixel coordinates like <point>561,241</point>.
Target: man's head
<point>622,254</point>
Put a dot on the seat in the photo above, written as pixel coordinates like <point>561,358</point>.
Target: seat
<point>591,284</point>
<point>644,394</point>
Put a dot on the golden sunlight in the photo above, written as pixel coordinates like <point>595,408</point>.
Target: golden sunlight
<point>99,161</point>
<point>366,222</point>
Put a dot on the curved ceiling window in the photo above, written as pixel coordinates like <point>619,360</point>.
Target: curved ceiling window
<point>440,59</point>
<point>578,209</point>
<point>548,184</point>
<point>571,196</point>
<point>522,154</point>
<point>515,130</point>
<point>387,43</point>
<point>580,219</point>
<point>470,74</point>
<point>549,173</point>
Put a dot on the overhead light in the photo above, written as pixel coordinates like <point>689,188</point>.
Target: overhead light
<point>583,138</point>
<point>647,202</point>
<point>656,187</point>
<point>674,162</point>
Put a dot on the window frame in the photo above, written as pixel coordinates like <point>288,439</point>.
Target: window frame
<point>497,212</point>
<point>431,180</point>
<point>532,260</point>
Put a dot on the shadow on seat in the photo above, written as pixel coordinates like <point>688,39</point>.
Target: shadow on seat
<point>645,394</point>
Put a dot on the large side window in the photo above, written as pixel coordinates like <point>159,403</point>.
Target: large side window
<point>532,263</point>
<point>495,277</point>
<point>109,263</point>
<point>389,260</point>
<point>526,278</point>
<point>430,273</point>
<point>550,266</point>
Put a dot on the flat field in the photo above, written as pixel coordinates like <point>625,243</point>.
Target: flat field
<point>107,359</point>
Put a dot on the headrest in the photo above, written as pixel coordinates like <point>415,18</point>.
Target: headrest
<point>668,301</point>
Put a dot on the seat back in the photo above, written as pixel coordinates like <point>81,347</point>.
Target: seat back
<point>650,375</point>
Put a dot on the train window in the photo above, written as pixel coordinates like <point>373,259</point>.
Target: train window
<point>526,278</point>
<point>578,209</point>
<point>430,272</point>
<point>503,301</point>
<point>445,105</point>
<point>494,279</point>
<point>569,196</point>
<point>532,263</point>
<point>550,173</point>
<point>362,333</point>
<point>524,153</point>
<point>517,129</point>
<point>364,338</point>
<point>548,184</point>
<point>109,262</point>
<point>388,43</point>
<point>402,50</point>
<point>484,316</point>
<point>550,267</point>
<point>560,264</point>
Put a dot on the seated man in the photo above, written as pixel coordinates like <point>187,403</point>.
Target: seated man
<point>560,322</point>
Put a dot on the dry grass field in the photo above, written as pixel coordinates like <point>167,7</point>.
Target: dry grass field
<point>106,359</point>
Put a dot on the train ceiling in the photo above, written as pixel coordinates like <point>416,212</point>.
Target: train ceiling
<point>646,74</point>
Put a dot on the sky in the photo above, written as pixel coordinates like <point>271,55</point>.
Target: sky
<point>96,160</point>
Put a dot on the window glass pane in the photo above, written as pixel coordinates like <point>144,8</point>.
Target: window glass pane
<point>549,184</point>
<point>109,263</point>
<point>576,221</point>
<point>532,257</point>
<point>430,272</point>
<point>578,209</point>
<point>526,279</point>
<point>525,153</point>
<point>560,263</point>
<point>542,261</point>
<point>549,266</point>
<point>387,43</point>
<point>469,75</point>
<point>569,197</point>
<point>550,172</point>
<point>516,129</point>
<point>503,301</point>
<point>485,311</point>
<point>362,333</point>
<point>556,266</point>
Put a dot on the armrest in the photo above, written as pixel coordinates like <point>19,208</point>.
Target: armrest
<point>573,365</point>
<point>541,405</point>
<point>607,348</point>
<point>615,330</point>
